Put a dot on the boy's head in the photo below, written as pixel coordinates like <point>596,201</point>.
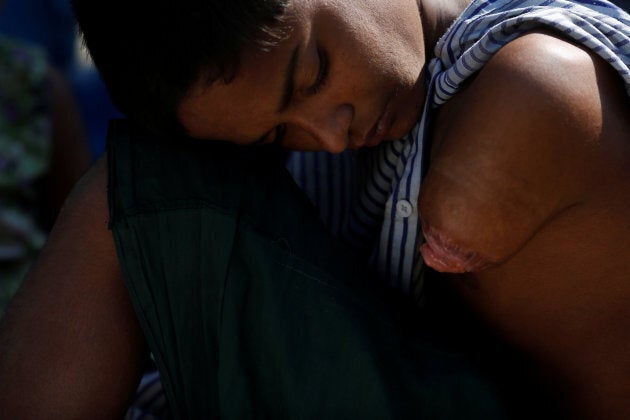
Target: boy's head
<point>310,74</point>
<point>149,52</point>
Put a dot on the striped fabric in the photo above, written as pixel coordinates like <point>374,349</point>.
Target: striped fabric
<point>487,26</point>
<point>369,197</point>
<point>150,402</point>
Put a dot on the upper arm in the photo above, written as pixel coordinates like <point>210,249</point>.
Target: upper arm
<point>525,141</point>
<point>71,346</point>
<point>70,153</point>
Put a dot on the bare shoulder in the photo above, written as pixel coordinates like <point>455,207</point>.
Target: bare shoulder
<point>70,151</point>
<point>82,224</point>
<point>542,86</point>
<point>537,131</point>
<point>545,62</point>
<point>87,201</point>
<point>71,344</point>
<point>529,186</point>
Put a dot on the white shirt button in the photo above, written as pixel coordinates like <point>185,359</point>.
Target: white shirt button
<point>404,208</point>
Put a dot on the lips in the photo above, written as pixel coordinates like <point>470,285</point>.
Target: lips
<point>380,129</point>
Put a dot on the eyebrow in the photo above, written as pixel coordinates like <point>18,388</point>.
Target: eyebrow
<point>287,91</point>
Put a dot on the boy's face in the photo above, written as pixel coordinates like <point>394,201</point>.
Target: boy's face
<point>349,75</point>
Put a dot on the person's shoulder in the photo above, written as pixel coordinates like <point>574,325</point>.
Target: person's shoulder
<point>541,77</point>
<point>541,88</point>
<point>543,56</point>
<point>537,130</point>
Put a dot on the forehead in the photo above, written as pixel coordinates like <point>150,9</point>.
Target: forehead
<point>219,110</point>
<point>238,109</point>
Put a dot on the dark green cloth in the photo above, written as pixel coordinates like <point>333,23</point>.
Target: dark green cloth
<point>252,310</point>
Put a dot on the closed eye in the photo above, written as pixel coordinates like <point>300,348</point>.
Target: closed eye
<point>276,135</point>
<point>322,74</point>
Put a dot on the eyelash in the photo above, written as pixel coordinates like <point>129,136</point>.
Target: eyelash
<point>322,75</point>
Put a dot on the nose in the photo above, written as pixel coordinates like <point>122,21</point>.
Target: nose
<point>328,127</point>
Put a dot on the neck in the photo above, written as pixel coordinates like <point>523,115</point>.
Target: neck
<point>437,16</point>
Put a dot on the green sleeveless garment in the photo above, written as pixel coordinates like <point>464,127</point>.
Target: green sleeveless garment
<point>252,310</point>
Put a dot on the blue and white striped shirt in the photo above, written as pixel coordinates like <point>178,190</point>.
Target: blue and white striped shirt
<point>369,197</point>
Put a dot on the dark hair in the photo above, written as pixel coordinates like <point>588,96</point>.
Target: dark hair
<point>150,52</point>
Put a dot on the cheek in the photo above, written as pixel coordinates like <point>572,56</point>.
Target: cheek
<point>297,139</point>
<point>392,62</point>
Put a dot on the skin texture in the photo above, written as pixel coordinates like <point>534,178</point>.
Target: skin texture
<point>538,193</point>
<point>70,154</point>
<point>70,344</point>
